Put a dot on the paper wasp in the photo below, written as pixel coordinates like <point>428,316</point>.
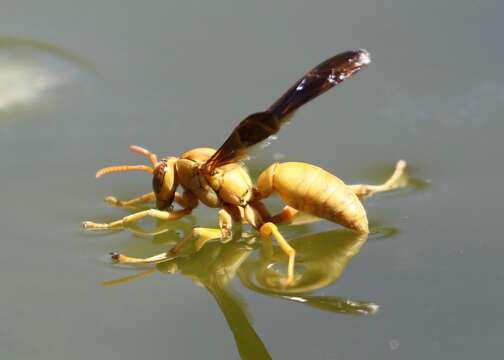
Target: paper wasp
<point>219,179</point>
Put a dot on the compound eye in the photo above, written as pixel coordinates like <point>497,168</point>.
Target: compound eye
<point>158,179</point>
<point>163,184</point>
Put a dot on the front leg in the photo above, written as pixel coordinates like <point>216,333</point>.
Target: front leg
<point>202,235</point>
<point>183,200</point>
<point>145,198</point>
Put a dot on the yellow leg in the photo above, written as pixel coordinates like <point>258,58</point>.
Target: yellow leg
<point>123,259</point>
<point>158,214</point>
<point>203,235</point>
<point>183,200</point>
<point>269,229</point>
<point>291,216</point>
<point>394,182</point>
<point>267,249</point>
<point>113,201</point>
<point>225,224</point>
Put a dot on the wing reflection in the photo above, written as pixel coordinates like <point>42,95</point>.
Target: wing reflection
<point>322,258</point>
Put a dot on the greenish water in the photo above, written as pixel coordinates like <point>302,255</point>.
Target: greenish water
<point>89,79</point>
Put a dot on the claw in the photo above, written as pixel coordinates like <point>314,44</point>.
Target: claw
<point>114,257</point>
<point>112,200</point>
<point>90,226</point>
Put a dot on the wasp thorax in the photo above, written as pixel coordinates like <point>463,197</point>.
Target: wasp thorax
<point>164,183</point>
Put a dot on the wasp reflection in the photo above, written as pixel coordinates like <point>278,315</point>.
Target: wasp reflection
<point>322,258</point>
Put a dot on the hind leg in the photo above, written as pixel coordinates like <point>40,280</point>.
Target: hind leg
<point>291,216</point>
<point>269,230</point>
<point>396,181</point>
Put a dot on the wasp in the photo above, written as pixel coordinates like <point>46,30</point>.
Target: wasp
<point>219,178</point>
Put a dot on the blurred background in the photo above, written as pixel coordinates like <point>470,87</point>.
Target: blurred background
<point>81,81</point>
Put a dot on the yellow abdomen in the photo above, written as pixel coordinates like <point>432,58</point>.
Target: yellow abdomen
<point>315,191</point>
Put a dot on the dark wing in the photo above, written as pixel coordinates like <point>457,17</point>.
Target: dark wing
<point>320,79</point>
<point>259,126</point>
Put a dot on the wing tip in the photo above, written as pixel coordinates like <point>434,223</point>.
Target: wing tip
<point>364,57</point>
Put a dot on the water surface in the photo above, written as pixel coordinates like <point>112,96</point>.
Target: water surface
<point>172,76</point>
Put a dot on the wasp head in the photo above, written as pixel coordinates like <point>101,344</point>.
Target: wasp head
<point>164,183</point>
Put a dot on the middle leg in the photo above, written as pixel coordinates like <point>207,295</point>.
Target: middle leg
<point>187,200</point>
<point>203,235</point>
